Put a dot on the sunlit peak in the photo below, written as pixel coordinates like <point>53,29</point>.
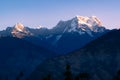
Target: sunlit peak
<point>19,27</point>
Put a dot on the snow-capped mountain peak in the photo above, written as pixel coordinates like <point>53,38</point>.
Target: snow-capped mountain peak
<point>20,31</point>
<point>89,21</point>
<point>19,27</point>
<point>95,21</point>
<point>81,20</point>
<point>82,25</point>
<point>38,27</point>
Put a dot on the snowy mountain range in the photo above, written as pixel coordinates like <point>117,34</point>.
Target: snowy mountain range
<point>78,24</point>
<point>65,37</point>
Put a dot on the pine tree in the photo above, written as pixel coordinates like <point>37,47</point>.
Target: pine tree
<point>48,77</point>
<point>68,74</point>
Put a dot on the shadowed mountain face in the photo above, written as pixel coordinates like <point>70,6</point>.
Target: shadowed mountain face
<point>100,59</point>
<point>73,34</point>
<point>18,55</point>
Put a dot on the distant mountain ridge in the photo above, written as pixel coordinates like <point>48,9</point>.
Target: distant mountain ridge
<point>65,37</point>
<point>81,24</point>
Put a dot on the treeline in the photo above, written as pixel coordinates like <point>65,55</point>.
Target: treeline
<point>67,75</point>
<point>81,76</point>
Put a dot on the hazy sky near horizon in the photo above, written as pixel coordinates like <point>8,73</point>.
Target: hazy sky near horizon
<point>48,13</point>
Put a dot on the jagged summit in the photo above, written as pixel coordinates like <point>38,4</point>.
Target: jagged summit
<point>87,24</point>
<point>19,30</point>
<point>20,27</point>
<point>81,24</point>
<point>89,21</point>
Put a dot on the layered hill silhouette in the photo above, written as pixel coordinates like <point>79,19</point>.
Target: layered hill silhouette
<point>100,59</point>
<point>18,55</point>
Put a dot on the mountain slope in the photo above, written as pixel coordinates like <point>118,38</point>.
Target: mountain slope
<point>73,34</point>
<point>80,24</point>
<point>18,55</point>
<point>100,59</point>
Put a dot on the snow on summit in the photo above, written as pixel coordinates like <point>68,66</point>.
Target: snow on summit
<point>85,23</point>
<point>82,25</point>
<point>89,21</point>
<point>19,27</point>
<point>19,31</point>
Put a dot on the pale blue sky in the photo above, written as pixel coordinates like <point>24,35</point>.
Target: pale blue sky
<point>48,12</point>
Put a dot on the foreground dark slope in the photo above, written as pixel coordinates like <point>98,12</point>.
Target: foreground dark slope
<point>100,59</point>
<point>17,55</point>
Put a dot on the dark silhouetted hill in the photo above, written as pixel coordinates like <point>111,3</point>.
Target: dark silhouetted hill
<point>17,55</point>
<point>100,59</point>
